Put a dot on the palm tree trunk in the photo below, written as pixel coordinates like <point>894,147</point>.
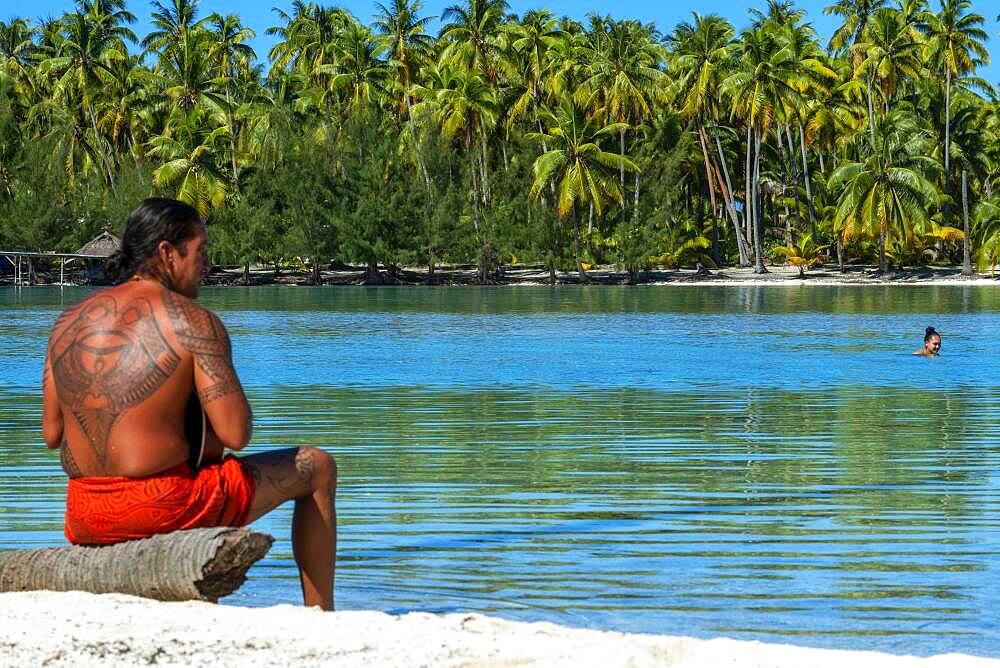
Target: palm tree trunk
<point>635,199</point>
<point>590,228</point>
<point>758,228</point>
<point>789,235</point>
<point>100,148</point>
<point>406,93</point>
<point>966,259</point>
<point>795,177</point>
<point>621,170</point>
<point>576,247</point>
<point>715,243</point>
<point>871,112</point>
<point>232,141</point>
<point>485,183</point>
<point>840,251</point>
<point>475,194</point>
<point>545,149</point>
<point>748,211</point>
<point>727,194</point>
<point>947,129</point>
<point>192,565</point>
<point>883,260</point>
<point>708,168</point>
<point>805,173</point>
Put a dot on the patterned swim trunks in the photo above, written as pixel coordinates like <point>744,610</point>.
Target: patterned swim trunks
<point>112,509</point>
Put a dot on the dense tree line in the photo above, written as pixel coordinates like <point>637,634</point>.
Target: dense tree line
<point>509,138</point>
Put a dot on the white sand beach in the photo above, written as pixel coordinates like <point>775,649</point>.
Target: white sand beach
<point>77,629</point>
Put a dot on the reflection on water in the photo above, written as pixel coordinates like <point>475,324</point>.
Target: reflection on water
<point>767,464</point>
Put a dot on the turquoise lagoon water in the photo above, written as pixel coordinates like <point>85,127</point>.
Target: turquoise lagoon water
<point>762,463</point>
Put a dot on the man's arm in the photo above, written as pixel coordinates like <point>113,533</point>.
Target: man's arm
<point>202,334</point>
<point>52,418</point>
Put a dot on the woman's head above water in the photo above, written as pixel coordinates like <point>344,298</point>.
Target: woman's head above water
<point>932,343</point>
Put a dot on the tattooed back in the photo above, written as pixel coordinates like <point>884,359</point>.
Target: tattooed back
<point>119,370</point>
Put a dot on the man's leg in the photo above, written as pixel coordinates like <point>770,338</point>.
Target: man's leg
<point>309,476</point>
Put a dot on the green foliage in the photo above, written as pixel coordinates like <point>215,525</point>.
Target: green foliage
<point>804,254</point>
<point>530,138</point>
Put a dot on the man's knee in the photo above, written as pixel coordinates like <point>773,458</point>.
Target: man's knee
<point>318,466</point>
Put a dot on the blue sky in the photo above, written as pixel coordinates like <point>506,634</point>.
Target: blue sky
<point>665,14</point>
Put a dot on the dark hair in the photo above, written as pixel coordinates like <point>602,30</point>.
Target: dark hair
<point>929,332</point>
<point>156,219</point>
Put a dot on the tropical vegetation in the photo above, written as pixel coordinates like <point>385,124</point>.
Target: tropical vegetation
<point>483,137</point>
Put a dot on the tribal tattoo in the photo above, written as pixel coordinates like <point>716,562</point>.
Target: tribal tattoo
<point>69,464</point>
<point>107,360</point>
<point>286,470</point>
<point>201,333</point>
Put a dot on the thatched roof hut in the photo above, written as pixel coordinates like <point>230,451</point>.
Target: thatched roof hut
<point>103,245</point>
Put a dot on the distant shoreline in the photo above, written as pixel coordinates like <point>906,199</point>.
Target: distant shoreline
<point>600,276</point>
<point>609,276</point>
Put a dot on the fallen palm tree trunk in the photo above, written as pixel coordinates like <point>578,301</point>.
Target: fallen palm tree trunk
<point>193,565</point>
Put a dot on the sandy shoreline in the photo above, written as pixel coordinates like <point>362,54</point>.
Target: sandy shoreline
<point>535,276</point>
<point>730,276</point>
<point>72,629</point>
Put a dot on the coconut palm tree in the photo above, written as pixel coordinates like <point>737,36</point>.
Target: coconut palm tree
<point>87,44</point>
<point>969,152</point>
<point>188,154</point>
<point>804,254</point>
<point>758,88</point>
<point>810,76</point>
<point>173,22</point>
<point>956,46</point>
<point>624,73</point>
<point>308,41</point>
<point>888,55</point>
<point>18,54</point>
<point>190,79</point>
<point>887,194</point>
<point>470,33</point>
<point>532,43</point>
<point>987,225</point>
<point>855,14</point>
<point>701,55</point>
<point>230,55</point>
<point>122,110</point>
<point>582,171</point>
<point>465,108</point>
<point>16,46</point>
<point>272,124</point>
<point>407,41</point>
<point>360,74</point>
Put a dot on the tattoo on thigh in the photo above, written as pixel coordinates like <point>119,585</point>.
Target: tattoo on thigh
<point>285,470</point>
<point>305,465</point>
<point>107,360</point>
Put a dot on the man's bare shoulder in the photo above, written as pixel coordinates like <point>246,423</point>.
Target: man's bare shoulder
<point>64,319</point>
<point>197,329</point>
<point>201,333</point>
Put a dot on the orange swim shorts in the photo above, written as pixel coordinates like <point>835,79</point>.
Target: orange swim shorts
<point>111,509</point>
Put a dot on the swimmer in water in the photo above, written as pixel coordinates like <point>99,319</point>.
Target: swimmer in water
<point>932,344</point>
